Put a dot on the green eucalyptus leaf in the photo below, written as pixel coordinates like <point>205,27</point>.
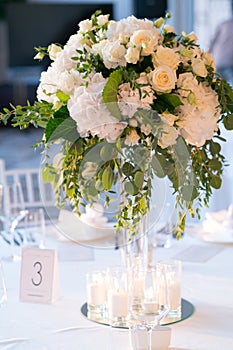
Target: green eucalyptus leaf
<point>189,193</point>
<point>106,152</point>
<point>127,169</point>
<point>214,164</point>
<point>139,179</point>
<point>107,178</point>
<point>228,122</point>
<point>215,147</point>
<point>110,93</point>
<point>79,146</point>
<point>130,188</point>
<point>158,163</point>
<point>215,181</point>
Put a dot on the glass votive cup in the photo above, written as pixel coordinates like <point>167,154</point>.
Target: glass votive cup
<point>173,271</point>
<point>96,294</point>
<point>139,337</point>
<point>117,296</point>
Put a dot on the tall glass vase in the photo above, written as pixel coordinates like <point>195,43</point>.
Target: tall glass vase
<point>135,249</point>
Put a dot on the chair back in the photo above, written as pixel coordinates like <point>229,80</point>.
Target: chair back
<point>36,193</point>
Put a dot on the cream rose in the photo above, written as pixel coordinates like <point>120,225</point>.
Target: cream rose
<point>163,79</point>
<point>167,57</point>
<point>199,68</point>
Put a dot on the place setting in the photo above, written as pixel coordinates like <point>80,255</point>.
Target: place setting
<point>217,227</point>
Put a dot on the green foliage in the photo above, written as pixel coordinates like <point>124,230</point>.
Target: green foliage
<point>110,93</point>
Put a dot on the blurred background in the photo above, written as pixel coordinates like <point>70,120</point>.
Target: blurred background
<point>27,24</point>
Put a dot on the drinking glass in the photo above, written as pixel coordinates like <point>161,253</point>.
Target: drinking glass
<point>34,228</point>
<point>12,211</point>
<point>153,304</point>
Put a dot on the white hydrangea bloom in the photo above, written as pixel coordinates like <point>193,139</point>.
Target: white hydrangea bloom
<point>197,123</point>
<point>86,107</point>
<point>127,26</point>
<point>168,136</point>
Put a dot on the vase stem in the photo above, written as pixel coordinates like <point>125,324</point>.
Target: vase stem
<point>135,252</point>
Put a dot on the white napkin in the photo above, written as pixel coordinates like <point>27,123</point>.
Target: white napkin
<point>90,226</point>
<point>219,221</point>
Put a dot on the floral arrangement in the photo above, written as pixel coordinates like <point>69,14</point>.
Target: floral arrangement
<point>130,100</point>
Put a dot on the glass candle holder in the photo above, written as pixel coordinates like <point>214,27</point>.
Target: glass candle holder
<point>96,294</point>
<point>118,296</point>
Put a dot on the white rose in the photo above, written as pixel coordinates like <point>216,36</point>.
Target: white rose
<point>167,57</point>
<point>85,26</point>
<point>98,48</point>
<point>132,55</point>
<point>145,40</point>
<point>114,54</point>
<point>102,20</point>
<point>53,49</point>
<point>199,68</point>
<point>163,79</point>
<point>48,86</point>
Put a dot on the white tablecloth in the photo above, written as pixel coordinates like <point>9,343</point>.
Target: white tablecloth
<point>207,283</point>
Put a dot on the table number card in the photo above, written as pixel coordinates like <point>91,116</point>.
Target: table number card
<point>39,275</point>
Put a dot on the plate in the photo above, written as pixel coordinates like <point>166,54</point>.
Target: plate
<point>71,227</point>
<point>187,309</point>
<point>224,236</point>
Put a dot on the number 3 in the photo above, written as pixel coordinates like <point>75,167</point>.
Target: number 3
<point>38,265</point>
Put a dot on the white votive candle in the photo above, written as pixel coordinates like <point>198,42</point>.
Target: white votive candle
<point>96,293</point>
<point>175,294</point>
<point>118,303</point>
